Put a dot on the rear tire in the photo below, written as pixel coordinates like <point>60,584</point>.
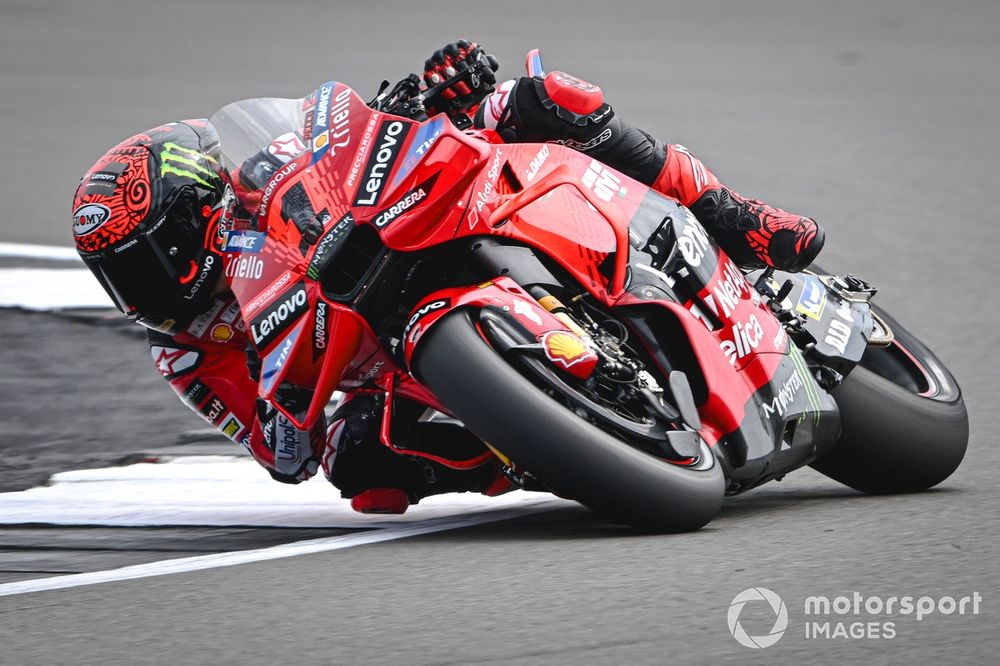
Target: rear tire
<point>573,457</point>
<point>904,423</point>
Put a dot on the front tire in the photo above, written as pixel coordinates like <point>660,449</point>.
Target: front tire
<point>904,423</point>
<point>573,457</point>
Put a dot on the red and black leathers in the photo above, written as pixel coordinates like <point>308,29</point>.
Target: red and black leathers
<point>563,109</point>
<point>206,365</point>
<point>212,369</point>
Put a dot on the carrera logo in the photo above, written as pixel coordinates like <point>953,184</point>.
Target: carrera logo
<point>390,137</point>
<point>412,197</point>
<point>276,318</point>
<point>89,217</point>
<point>319,331</point>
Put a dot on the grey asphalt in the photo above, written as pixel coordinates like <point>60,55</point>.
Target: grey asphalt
<point>879,119</point>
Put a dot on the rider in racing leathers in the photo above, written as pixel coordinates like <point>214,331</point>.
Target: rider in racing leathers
<point>146,221</point>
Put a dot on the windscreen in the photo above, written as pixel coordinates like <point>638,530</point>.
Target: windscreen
<point>250,126</point>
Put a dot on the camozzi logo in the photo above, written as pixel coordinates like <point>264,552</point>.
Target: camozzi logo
<point>745,602</point>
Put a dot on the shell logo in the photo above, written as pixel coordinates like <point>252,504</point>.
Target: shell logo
<point>566,349</point>
<point>222,333</point>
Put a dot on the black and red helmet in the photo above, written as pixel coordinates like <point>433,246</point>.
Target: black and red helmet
<point>144,220</point>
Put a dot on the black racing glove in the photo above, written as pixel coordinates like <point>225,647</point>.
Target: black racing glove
<point>450,60</point>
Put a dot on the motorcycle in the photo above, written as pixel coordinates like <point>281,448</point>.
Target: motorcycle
<point>586,328</point>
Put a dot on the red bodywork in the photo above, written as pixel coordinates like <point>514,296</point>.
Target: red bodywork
<point>424,184</point>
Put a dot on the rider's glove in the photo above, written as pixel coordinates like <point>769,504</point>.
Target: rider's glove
<point>449,61</point>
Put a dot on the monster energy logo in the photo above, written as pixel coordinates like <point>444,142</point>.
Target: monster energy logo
<point>811,395</point>
<point>186,163</point>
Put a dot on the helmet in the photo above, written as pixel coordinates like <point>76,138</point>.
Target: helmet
<point>144,220</point>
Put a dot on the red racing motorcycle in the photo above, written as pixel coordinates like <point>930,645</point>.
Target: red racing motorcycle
<point>583,326</point>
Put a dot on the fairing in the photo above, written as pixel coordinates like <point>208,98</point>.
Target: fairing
<point>364,187</point>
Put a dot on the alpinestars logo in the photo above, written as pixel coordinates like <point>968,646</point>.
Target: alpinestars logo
<point>174,361</point>
<point>603,182</point>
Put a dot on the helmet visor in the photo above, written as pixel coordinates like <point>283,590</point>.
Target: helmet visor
<point>149,276</point>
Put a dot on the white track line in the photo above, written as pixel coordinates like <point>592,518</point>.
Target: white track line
<point>29,251</point>
<point>51,289</point>
<point>307,547</point>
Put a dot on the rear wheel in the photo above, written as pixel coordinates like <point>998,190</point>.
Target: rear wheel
<point>568,453</point>
<point>904,423</point>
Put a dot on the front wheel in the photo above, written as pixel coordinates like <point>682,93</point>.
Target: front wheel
<point>568,453</point>
<point>904,423</point>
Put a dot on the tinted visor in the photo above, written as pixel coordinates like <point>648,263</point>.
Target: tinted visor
<point>148,275</point>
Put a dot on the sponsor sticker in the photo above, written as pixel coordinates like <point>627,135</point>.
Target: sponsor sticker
<point>407,201</point>
<point>390,138</point>
<point>89,218</point>
<point>221,332</point>
<point>172,361</point>
<point>565,349</point>
<point>231,427</point>
<point>244,241</point>
<point>812,300</point>
<point>276,318</point>
<point>274,362</point>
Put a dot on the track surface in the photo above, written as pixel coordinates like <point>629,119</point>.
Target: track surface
<point>878,119</point>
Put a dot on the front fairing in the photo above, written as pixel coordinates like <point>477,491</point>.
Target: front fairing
<point>327,188</point>
<point>285,224</point>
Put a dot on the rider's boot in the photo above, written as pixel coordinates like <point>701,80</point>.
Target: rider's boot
<point>563,109</point>
<point>753,233</point>
<point>434,458</point>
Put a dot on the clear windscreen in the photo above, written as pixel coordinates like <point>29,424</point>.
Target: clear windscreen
<point>247,127</point>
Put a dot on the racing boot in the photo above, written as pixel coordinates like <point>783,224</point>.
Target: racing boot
<point>432,458</point>
<point>563,109</point>
<point>755,234</point>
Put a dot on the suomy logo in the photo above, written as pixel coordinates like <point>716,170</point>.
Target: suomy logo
<point>89,217</point>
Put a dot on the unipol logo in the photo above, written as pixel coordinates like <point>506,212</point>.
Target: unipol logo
<point>745,604</point>
<point>89,217</point>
